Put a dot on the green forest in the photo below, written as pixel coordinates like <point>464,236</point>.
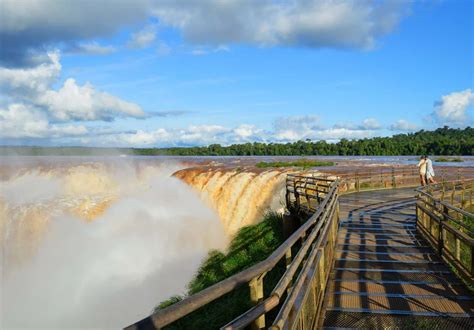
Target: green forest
<point>442,141</point>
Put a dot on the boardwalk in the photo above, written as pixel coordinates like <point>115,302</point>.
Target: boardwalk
<point>385,274</point>
<point>355,260</point>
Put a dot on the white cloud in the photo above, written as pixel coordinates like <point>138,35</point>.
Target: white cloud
<point>74,102</point>
<point>310,23</point>
<point>28,26</point>
<point>453,108</point>
<point>370,124</point>
<point>31,81</point>
<point>143,38</point>
<point>33,87</point>
<point>296,127</point>
<point>92,48</point>
<point>367,124</point>
<point>200,51</point>
<point>288,129</point>
<point>403,125</point>
<point>19,121</point>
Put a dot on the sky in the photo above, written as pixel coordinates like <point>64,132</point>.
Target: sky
<point>161,73</point>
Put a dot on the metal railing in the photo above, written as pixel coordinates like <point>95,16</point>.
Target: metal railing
<point>444,220</point>
<point>299,292</point>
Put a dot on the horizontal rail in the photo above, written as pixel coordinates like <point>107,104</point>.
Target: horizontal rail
<point>314,197</point>
<point>313,225</point>
<point>449,228</point>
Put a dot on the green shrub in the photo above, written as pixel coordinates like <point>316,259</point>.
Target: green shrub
<point>251,245</point>
<point>304,163</point>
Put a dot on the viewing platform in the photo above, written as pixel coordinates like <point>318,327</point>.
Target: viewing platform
<point>369,251</point>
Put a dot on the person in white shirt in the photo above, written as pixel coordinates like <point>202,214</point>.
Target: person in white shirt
<point>429,171</point>
<point>422,166</point>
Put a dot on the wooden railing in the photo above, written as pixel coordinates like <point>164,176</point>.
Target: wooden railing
<point>298,296</point>
<point>444,219</point>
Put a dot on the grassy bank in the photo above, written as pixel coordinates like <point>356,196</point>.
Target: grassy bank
<point>251,245</point>
<point>304,163</point>
<point>449,160</point>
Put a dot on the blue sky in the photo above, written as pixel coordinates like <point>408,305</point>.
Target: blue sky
<point>161,73</point>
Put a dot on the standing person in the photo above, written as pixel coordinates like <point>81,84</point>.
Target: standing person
<point>429,171</point>
<point>422,166</point>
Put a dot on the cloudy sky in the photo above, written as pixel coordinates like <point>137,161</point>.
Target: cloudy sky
<point>195,72</point>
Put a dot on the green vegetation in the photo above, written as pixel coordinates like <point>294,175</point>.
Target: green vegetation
<point>304,163</point>
<point>251,245</point>
<point>442,141</point>
<point>446,160</point>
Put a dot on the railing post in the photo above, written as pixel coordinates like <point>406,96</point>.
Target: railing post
<point>394,182</point>
<point>472,259</point>
<point>256,295</point>
<point>297,195</point>
<point>357,183</point>
<point>453,193</point>
<point>440,234</point>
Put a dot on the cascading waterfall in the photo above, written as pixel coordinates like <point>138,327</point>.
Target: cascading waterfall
<point>240,198</point>
<point>93,246</point>
<point>100,245</point>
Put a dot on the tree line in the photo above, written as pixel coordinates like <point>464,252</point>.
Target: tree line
<point>442,141</point>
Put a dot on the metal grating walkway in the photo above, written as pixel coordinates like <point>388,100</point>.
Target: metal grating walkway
<point>385,275</point>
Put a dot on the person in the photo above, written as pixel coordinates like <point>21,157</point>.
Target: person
<point>422,167</point>
<point>429,171</point>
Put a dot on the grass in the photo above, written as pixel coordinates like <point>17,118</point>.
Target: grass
<point>251,245</point>
<point>449,160</point>
<point>304,163</point>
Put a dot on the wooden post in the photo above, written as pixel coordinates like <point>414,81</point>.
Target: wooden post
<point>394,182</point>
<point>288,259</point>
<point>357,183</point>
<point>472,259</point>
<point>452,193</point>
<point>458,249</point>
<point>440,234</point>
<point>256,295</point>
<point>297,195</point>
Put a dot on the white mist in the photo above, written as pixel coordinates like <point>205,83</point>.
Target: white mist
<point>113,271</point>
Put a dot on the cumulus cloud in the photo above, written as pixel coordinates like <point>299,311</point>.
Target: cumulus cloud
<point>31,26</point>
<point>74,102</point>
<point>143,38</point>
<point>403,126</point>
<point>288,129</point>
<point>366,125</point>
<point>30,81</point>
<point>20,121</point>
<point>34,87</point>
<point>308,23</point>
<point>453,108</point>
<point>296,127</point>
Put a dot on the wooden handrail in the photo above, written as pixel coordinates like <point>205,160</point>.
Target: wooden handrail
<point>176,311</point>
<point>323,190</point>
<point>437,220</point>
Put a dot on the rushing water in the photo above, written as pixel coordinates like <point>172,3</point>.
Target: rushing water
<point>99,241</point>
